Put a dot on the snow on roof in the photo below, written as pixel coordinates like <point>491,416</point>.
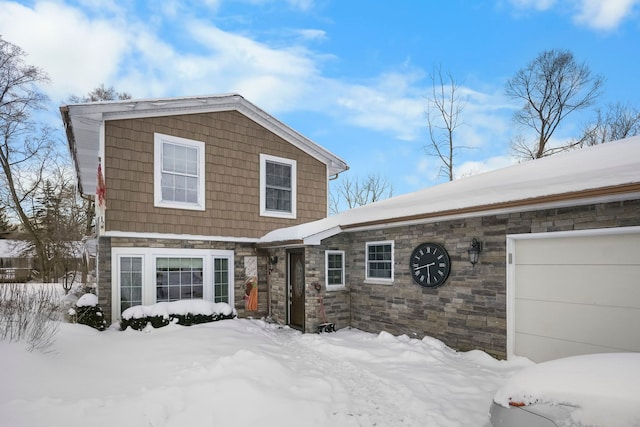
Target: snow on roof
<point>12,248</point>
<point>600,173</point>
<point>21,248</point>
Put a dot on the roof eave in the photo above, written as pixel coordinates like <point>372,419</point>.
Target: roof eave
<point>630,191</point>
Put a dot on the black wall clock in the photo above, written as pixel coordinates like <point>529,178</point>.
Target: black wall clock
<point>430,265</point>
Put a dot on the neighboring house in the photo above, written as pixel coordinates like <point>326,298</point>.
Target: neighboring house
<point>558,272</point>
<point>15,263</point>
<point>187,187</point>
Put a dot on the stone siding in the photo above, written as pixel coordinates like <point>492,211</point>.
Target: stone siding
<point>469,310</point>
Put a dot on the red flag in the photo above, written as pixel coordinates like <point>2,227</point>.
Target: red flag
<point>101,192</point>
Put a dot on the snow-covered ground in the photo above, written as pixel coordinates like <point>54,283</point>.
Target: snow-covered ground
<point>245,372</point>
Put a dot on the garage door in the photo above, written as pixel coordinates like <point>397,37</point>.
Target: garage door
<point>573,293</point>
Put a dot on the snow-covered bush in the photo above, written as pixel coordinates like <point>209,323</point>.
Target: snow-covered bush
<point>88,312</point>
<point>184,312</point>
<point>29,314</point>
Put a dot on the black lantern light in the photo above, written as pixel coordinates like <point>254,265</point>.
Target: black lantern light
<point>474,250</point>
<point>273,260</point>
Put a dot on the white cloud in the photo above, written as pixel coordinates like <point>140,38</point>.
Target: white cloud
<point>604,14</point>
<point>80,51</point>
<point>535,4</point>
<point>312,34</point>
<point>475,167</point>
<point>50,34</point>
<point>597,14</point>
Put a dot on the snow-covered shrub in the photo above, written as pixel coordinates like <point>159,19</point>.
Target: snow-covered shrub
<point>29,314</point>
<point>184,312</point>
<point>88,312</point>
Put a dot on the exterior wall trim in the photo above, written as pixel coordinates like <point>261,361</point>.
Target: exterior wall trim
<point>179,237</point>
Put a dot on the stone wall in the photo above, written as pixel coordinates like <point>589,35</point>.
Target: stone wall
<point>469,310</point>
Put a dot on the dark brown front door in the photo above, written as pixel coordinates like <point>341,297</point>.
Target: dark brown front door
<point>296,290</point>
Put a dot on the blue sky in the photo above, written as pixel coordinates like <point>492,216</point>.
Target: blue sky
<point>352,75</point>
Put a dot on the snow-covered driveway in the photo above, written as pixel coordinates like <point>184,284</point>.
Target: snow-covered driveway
<point>245,373</point>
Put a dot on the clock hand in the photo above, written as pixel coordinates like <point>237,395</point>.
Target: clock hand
<point>423,266</point>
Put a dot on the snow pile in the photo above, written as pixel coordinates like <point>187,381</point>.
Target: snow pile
<point>604,388</point>
<point>245,373</point>
<point>182,307</point>
<point>87,300</point>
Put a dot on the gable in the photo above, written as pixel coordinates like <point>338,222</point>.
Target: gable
<point>84,125</point>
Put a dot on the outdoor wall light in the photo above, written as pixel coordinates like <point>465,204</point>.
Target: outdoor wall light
<point>273,260</point>
<point>474,250</point>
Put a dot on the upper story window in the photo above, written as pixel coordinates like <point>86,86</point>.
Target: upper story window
<point>334,266</point>
<point>277,186</point>
<point>379,266</point>
<point>178,172</point>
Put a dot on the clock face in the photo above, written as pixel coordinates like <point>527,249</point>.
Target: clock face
<point>430,265</point>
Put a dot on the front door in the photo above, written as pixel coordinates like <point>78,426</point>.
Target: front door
<point>296,289</point>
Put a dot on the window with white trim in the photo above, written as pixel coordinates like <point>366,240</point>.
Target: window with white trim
<point>150,275</point>
<point>221,280</point>
<point>178,172</point>
<point>334,269</point>
<point>130,281</point>
<point>277,186</point>
<point>179,278</point>
<point>379,263</point>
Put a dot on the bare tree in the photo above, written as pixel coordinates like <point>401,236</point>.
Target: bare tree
<point>551,87</point>
<point>444,107</point>
<point>618,122</point>
<point>350,193</point>
<point>100,93</point>
<point>26,150</point>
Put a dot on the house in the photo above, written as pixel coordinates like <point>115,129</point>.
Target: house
<point>15,262</point>
<point>186,187</point>
<point>540,259</point>
<point>211,197</point>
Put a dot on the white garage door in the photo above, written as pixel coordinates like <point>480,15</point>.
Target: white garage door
<point>573,293</point>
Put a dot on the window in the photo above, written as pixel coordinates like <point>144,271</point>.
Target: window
<point>150,275</point>
<point>221,280</point>
<point>179,172</point>
<point>277,187</point>
<point>130,282</point>
<point>179,278</point>
<point>334,265</point>
<point>379,267</point>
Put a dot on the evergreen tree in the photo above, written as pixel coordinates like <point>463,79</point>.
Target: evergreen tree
<point>6,228</point>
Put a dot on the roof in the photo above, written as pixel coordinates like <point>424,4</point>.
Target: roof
<point>23,249</point>
<point>83,123</point>
<point>13,248</point>
<point>607,172</point>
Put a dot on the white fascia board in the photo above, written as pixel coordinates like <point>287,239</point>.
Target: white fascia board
<point>136,235</point>
<point>316,239</point>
